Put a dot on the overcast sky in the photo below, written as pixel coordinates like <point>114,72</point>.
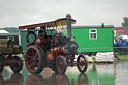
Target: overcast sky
<point>87,12</point>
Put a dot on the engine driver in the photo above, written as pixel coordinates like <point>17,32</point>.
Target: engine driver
<point>42,33</point>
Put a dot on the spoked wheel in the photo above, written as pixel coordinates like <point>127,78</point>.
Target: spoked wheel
<point>34,59</point>
<point>82,63</point>
<point>61,64</point>
<point>18,65</point>
<point>1,66</point>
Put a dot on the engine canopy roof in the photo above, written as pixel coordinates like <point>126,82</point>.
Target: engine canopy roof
<point>58,22</point>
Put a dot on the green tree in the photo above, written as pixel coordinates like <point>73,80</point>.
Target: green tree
<point>125,23</point>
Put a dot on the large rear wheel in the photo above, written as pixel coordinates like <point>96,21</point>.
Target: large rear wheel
<point>18,65</point>
<point>82,63</point>
<point>61,64</point>
<point>34,59</point>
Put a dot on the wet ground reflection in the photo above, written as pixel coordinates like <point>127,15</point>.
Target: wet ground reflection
<point>101,74</point>
<point>97,74</point>
<point>55,79</point>
<point>15,79</point>
<point>121,73</point>
<point>38,79</point>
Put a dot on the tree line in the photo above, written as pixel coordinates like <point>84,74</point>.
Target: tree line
<point>125,22</point>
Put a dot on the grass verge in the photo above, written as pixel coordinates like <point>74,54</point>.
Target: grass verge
<point>122,57</point>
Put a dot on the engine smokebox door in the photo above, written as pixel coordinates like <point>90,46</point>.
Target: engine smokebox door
<point>50,56</point>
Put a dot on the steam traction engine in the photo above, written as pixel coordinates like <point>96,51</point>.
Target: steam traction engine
<point>55,51</point>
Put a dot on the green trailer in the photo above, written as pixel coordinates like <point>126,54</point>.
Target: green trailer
<point>94,38</point>
<point>89,38</point>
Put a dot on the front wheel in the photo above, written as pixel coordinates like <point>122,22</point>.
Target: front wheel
<point>61,64</point>
<point>18,65</point>
<point>82,63</point>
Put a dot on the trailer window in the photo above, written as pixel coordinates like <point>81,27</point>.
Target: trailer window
<point>93,34</point>
<point>10,38</point>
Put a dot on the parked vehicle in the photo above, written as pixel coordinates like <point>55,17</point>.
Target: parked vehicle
<point>8,55</point>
